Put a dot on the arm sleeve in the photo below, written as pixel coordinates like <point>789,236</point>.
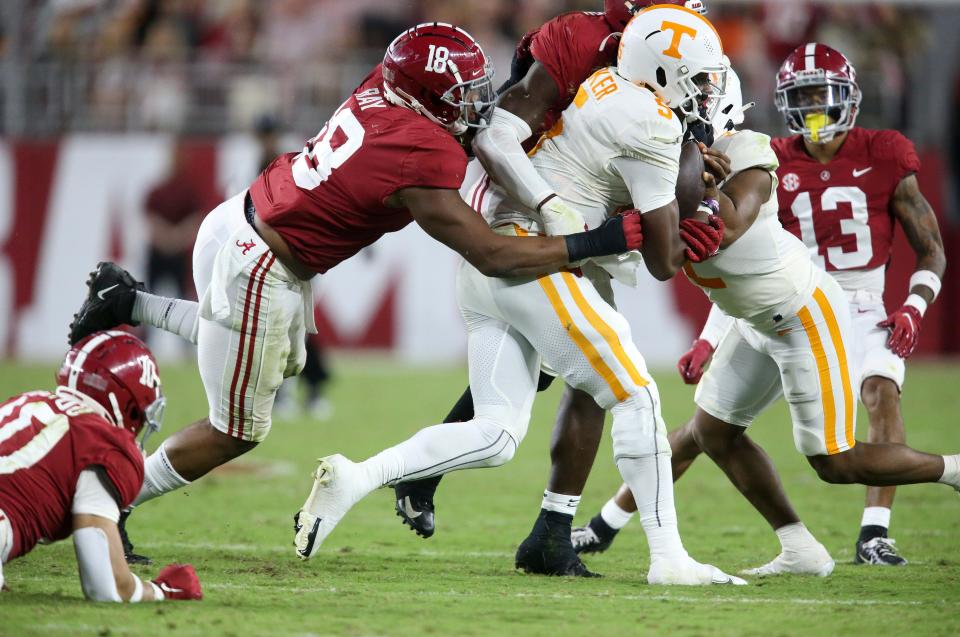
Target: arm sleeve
<point>499,148</point>
<point>94,498</point>
<point>93,559</point>
<point>651,185</point>
<point>718,322</point>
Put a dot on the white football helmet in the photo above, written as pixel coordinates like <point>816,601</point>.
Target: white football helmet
<point>677,53</point>
<point>726,112</point>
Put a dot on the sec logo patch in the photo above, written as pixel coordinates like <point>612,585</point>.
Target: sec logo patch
<point>791,182</point>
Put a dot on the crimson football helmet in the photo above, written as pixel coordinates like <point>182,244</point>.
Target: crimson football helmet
<point>440,71</point>
<point>117,371</point>
<point>817,92</point>
<point>619,12</point>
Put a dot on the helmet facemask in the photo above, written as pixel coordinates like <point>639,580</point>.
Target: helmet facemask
<point>153,418</point>
<point>474,99</point>
<point>818,107</point>
<point>702,92</point>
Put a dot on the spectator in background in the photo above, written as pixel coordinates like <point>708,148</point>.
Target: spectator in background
<point>174,209</point>
<point>316,373</point>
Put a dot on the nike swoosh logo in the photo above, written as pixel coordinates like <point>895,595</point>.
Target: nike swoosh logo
<point>409,510</point>
<point>862,171</point>
<point>101,293</point>
<point>168,589</point>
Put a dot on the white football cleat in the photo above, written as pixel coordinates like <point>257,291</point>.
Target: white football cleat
<point>813,561</point>
<point>336,488</point>
<point>688,572</point>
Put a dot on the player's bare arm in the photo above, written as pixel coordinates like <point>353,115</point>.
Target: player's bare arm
<point>740,201</point>
<point>531,98</point>
<point>920,226</point>
<point>663,250</point>
<point>445,217</point>
<point>123,578</point>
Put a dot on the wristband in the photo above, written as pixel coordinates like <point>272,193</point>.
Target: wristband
<point>927,278</point>
<point>606,239</point>
<point>157,592</point>
<point>918,302</point>
<point>712,204</point>
<point>137,589</point>
<point>545,200</point>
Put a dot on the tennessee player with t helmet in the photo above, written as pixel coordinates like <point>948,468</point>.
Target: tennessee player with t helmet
<point>550,64</point>
<point>391,154</point>
<point>729,401</point>
<point>617,145</point>
<point>69,461</point>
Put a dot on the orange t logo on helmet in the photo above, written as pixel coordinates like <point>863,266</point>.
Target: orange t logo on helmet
<point>679,30</point>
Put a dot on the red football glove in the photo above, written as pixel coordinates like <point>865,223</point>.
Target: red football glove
<point>692,363</point>
<point>904,326</point>
<point>702,239</point>
<point>633,229</point>
<point>179,581</point>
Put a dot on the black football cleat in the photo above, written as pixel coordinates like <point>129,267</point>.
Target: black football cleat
<point>548,550</point>
<point>881,551</point>
<point>596,537</point>
<point>131,557</point>
<point>109,302</point>
<point>414,504</point>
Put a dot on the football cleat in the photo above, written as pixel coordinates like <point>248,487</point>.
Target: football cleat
<point>335,491</point>
<point>881,551</point>
<point>548,550</point>
<point>414,505</point>
<point>109,302</point>
<point>596,537</point>
<point>128,554</point>
<point>688,572</point>
<point>815,561</point>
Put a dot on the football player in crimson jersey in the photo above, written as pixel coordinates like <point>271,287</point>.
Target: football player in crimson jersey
<point>840,189</point>
<point>391,154</point>
<point>69,461</point>
<point>550,64</point>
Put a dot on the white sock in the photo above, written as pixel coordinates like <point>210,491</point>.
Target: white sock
<point>651,480</point>
<point>560,503</point>
<point>384,468</point>
<point>876,516</point>
<point>614,516</point>
<point>795,537</point>
<point>173,315</point>
<point>951,471</point>
<point>159,477</point>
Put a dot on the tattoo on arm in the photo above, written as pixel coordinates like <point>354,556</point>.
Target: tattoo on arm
<point>920,227</point>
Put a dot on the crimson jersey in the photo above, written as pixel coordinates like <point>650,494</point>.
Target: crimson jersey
<point>46,440</point>
<point>571,47</point>
<point>329,201</point>
<point>841,210</point>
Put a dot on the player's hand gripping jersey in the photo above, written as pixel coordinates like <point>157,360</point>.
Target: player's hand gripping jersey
<point>767,271</point>
<point>329,201</point>
<point>46,440</point>
<point>841,210</point>
<point>615,146</point>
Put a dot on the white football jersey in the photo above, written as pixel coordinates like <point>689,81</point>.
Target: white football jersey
<point>615,146</point>
<point>767,270</point>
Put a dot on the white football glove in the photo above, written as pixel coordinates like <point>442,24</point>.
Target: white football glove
<point>560,219</point>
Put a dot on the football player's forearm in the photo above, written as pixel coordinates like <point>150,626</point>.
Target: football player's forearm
<point>499,149</point>
<point>508,257</point>
<point>922,231</point>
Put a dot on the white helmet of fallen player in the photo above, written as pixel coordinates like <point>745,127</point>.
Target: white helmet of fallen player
<point>675,52</point>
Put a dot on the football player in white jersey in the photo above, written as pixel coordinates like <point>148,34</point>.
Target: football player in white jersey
<point>619,145</point>
<point>788,337</point>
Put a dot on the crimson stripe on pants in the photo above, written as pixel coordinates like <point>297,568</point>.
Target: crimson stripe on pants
<point>243,335</point>
<point>253,340</point>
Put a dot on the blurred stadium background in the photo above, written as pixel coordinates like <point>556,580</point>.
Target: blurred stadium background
<point>123,121</point>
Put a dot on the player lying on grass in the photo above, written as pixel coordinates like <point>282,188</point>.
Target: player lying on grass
<point>618,145</point>
<point>550,64</point>
<point>69,461</point>
<point>390,155</point>
<point>752,367</point>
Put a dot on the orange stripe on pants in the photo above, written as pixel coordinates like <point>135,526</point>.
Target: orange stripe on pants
<point>607,332</point>
<point>834,328</point>
<point>593,356</point>
<point>826,386</point>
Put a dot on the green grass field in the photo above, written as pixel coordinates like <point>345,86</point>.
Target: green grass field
<point>375,577</point>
